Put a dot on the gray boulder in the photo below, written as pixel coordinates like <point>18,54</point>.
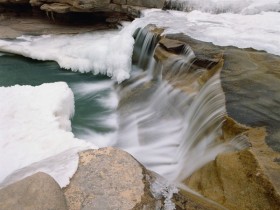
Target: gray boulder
<point>36,192</point>
<point>109,178</point>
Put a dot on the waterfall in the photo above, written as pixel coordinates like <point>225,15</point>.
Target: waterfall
<point>168,115</point>
<point>171,128</point>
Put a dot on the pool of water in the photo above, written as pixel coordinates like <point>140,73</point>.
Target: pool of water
<point>94,97</point>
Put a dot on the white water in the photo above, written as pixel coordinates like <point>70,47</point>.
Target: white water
<point>109,53</point>
<point>107,119</point>
<point>167,131</point>
<point>35,130</point>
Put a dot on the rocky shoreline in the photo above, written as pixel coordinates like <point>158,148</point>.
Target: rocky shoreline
<point>19,18</point>
<point>106,178</point>
<point>109,178</point>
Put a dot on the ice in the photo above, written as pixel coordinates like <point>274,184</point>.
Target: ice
<point>259,31</point>
<point>105,52</point>
<point>35,126</point>
<point>110,52</point>
<point>227,6</point>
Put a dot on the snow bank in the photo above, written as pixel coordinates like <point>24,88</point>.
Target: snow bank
<point>35,126</point>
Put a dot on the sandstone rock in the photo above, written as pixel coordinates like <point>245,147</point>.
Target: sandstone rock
<point>109,179</point>
<point>189,201</point>
<point>172,45</point>
<point>56,7</point>
<point>247,179</point>
<point>147,3</point>
<point>14,26</point>
<point>119,2</point>
<point>36,192</point>
<point>131,7</point>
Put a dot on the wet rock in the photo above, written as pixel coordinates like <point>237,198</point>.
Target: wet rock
<point>38,191</point>
<point>152,34</point>
<point>172,45</point>
<point>110,178</point>
<point>250,75</point>
<point>245,179</point>
<point>186,200</point>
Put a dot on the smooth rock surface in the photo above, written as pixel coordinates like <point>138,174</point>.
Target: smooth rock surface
<point>36,192</point>
<point>109,178</point>
<point>247,179</point>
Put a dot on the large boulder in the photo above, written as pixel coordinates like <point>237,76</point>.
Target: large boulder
<point>36,192</point>
<point>110,178</point>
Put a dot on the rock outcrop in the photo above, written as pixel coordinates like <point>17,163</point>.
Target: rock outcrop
<point>39,191</point>
<point>109,178</point>
<point>247,179</point>
<point>131,7</point>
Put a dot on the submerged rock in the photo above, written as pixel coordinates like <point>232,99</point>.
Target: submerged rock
<point>39,191</point>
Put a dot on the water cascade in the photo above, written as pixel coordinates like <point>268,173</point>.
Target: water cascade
<point>169,119</point>
<point>152,87</point>
<point>169,113</point>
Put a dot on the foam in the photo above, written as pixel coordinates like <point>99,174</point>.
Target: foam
<point>35,126</point>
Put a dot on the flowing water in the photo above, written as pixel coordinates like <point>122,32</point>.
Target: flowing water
<point>30,117</point>
<point>170,130</point>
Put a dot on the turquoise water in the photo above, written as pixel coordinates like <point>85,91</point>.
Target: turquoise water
<point>88,109</point>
